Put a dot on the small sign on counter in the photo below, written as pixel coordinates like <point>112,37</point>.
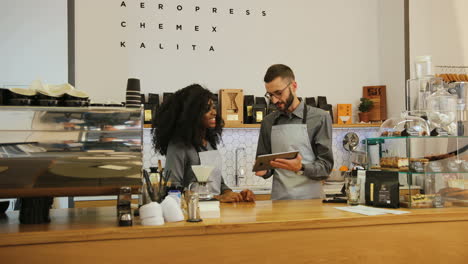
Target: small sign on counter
<point>366,210</point>
<point>209,209</point>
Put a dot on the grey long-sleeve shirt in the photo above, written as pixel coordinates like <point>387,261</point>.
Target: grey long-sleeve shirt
<point>179,160</point>
<point>319,129</point>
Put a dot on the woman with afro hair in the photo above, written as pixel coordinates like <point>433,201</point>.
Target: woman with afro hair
<point>187,130</point>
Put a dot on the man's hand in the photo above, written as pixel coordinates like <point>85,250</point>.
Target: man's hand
<point>248,195</point>
<point>230,197</point>
<point>261,173</point>
<point>288,164</point>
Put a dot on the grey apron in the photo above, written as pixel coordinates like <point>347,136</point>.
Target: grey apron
<point>212,158</point>
<point>287,184</point>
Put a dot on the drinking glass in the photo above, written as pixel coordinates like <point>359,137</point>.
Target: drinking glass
<point>353,188</point>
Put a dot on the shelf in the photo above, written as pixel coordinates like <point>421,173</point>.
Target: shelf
<point>68,108</point>
<point>334,126</point>
<point>432,172</point>
<point>356,125</point>
<point>243,126</point>
<point>258,126</point>
<point>226,126</point>
<point>427,172</point>
<point>415,137</point>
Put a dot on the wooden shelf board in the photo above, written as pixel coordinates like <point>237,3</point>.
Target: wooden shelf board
<point>334,125</point>
<point>258,125</point>
<point>243,126</point>
<point>356,125</point>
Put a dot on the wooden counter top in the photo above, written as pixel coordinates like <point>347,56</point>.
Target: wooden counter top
<point>264,232</point>
<point>96,224</point>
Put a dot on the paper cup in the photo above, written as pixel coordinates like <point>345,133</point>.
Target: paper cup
<point>133,84</point>
<point>171,210</point>
<point>151,214</point>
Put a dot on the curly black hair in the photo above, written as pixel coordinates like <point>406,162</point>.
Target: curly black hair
<point>179,119</point>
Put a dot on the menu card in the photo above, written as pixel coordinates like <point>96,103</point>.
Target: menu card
<point>366,210</point>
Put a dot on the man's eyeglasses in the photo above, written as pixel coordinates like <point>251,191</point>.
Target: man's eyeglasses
<point>276,93</point>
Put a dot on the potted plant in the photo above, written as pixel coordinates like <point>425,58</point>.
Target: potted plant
<point>364,107</point>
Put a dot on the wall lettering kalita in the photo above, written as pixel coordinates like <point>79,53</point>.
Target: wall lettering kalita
<point>161,25</point>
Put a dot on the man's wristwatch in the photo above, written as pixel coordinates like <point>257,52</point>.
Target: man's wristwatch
<point>301,171</point>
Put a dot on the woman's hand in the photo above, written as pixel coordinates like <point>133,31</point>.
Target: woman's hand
<point>248,195</point>
<point>230,197</point>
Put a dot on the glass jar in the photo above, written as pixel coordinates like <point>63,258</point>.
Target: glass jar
<point>202,174</point>
<point>353,189</point>
<point>410,123</point>
<point>423,66</point>
<point>201,188</point>
<point>442,112</point>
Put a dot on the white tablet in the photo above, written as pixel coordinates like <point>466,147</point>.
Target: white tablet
<point>263,161</point>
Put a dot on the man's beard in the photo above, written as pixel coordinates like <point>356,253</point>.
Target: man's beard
<point>288,102</point>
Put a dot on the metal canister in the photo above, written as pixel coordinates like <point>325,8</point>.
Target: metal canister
<point>460,89</point>
<point>125,220</point>
<point>193,209</point>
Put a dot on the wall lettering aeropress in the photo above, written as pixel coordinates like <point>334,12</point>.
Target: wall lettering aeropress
<point>155,27</point>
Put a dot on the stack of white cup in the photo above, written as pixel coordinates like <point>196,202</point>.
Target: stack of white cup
<point>155,214</point>
<point>151,214</point>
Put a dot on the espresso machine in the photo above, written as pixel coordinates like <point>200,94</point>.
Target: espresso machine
<point>50,152</point>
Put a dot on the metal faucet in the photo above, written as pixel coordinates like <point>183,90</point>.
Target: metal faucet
<point>236,175</point>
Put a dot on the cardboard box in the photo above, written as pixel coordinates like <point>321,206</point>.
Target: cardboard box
<point>344,113</point>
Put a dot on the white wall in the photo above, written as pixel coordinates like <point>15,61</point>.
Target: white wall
<point>392,54</point>
<point>33,41</point>
<point>439,28</point>
<point>335,47</point>
<point>33,45</point>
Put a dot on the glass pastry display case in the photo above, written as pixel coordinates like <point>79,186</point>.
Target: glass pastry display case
<point>69,151</point>
<point>410,123</point>
<point>433,170</point>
